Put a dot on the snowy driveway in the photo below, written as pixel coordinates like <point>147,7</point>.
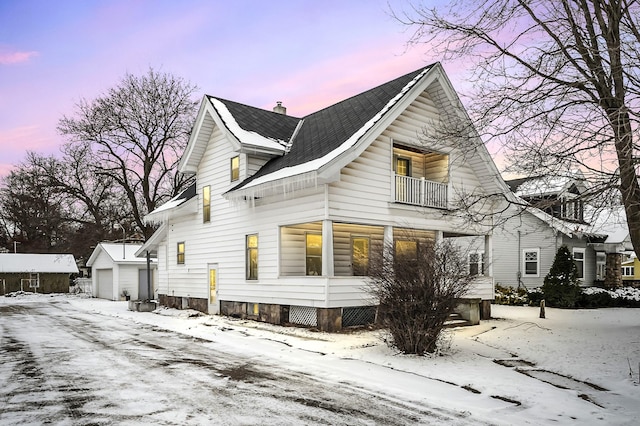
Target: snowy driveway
<point>62,365</point>
<point>65,359</point>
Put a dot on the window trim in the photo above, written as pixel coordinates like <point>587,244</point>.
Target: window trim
<point>524,262</point>
<point>248,254</point>
<point>180,252</point>
<point>628,268</point>
<point>206,204</point>
<point>575,250</point>
<point>232,169</point>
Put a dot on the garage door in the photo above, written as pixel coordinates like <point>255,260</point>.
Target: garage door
<point>105,284</point>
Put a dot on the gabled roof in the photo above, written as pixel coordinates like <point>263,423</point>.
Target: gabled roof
<point>117,252</point>
<point>537,186</point>
<point>37,263</point>
<point>327,130</point>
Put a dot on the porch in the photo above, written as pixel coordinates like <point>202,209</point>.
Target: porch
<point>420,177</point>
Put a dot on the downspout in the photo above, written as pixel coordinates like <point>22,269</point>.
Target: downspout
<point>519,273</point>
<point>149,286</point>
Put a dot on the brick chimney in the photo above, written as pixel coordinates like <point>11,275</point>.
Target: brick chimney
<point>279,108</point>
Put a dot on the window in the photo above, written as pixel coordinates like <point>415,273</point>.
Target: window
<point>601,269</point>
<point>360,255</point>
<point>578,259</point>
<point>403,166</point>
<point>252,257</point>
<point>235,168</point>
<point>531,260</point>
<point>476,263</point>
<point>206,204</point>
<point>406,250</point>
<point>314,254</point>
<point>628,271</point>
<point>180,255</point>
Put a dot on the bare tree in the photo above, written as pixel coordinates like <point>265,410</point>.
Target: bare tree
<point>32,211</point>
<point>93,204</point>
<point>556,82</point>
<point>137,132</point>
<point>417,290</point>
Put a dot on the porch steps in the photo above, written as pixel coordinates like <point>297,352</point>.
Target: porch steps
<point>455,320</point>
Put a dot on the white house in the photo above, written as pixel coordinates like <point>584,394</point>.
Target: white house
<point>116,271</point>
<point>286,211</point>
<point>552,214</point>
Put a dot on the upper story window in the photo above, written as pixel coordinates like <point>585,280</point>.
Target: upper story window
<point>235,168</point>
<point>180,253</point>
<point>531,262</point>
<point>252,256</point>
<point>313,254</point>
<point>206,204</point>
<point>578,259</point>
<point>403,166</point>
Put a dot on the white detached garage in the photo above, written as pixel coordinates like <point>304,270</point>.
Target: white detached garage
<point>115,270</point>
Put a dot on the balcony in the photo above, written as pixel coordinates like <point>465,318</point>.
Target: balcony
<point>420,192</point>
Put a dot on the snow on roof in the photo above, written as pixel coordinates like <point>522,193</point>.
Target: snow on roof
<point>543,186</point>
<point>37,263</point>
<point>122,252</point>
<point>610,221</point>
<point>159,215</point>
<point>314,165</point>
<point>244,136</point>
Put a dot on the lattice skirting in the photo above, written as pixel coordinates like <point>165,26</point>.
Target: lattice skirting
<point>303,315</point>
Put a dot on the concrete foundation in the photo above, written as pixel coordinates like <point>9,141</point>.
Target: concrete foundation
<point>142,306</point>
<point>469,309</point>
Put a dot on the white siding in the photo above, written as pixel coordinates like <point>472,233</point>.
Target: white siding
<point>362,197</point>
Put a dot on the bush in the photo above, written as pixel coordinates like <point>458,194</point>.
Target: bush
<point>593,297</point>
<point>510,296</point>
<point>561,288</point>
<point>416,294</point>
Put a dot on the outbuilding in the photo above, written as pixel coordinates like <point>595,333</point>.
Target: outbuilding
<point>36,272</point>
<point>117,273</point>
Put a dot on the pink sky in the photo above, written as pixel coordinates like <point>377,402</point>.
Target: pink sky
<point>307,54</point>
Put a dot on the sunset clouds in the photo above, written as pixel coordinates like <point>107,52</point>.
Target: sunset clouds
<point>8,57</point>
<point>305,53</point>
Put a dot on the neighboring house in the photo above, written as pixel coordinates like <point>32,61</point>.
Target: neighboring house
<point>525,244</point>
<point>286,213</point>
<point>630,269</point>
<point>116,272</point>
<point>41,273</point>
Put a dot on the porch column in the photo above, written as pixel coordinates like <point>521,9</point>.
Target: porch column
<point>327,248</point>
<point>613,273</point>
<point>439,237</point>
<point>387,241</point>
<point>488,255</point>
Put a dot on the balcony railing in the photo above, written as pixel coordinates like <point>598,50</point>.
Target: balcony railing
<point>421,192</point>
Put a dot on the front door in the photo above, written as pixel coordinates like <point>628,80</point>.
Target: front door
<point>213,289</point>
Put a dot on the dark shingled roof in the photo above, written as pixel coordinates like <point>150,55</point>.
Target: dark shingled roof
<point>266,123</point>
<point>515,183</point>
<point>321,132</point>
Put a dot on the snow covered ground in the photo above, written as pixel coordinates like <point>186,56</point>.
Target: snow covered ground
<point>574,367</point>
